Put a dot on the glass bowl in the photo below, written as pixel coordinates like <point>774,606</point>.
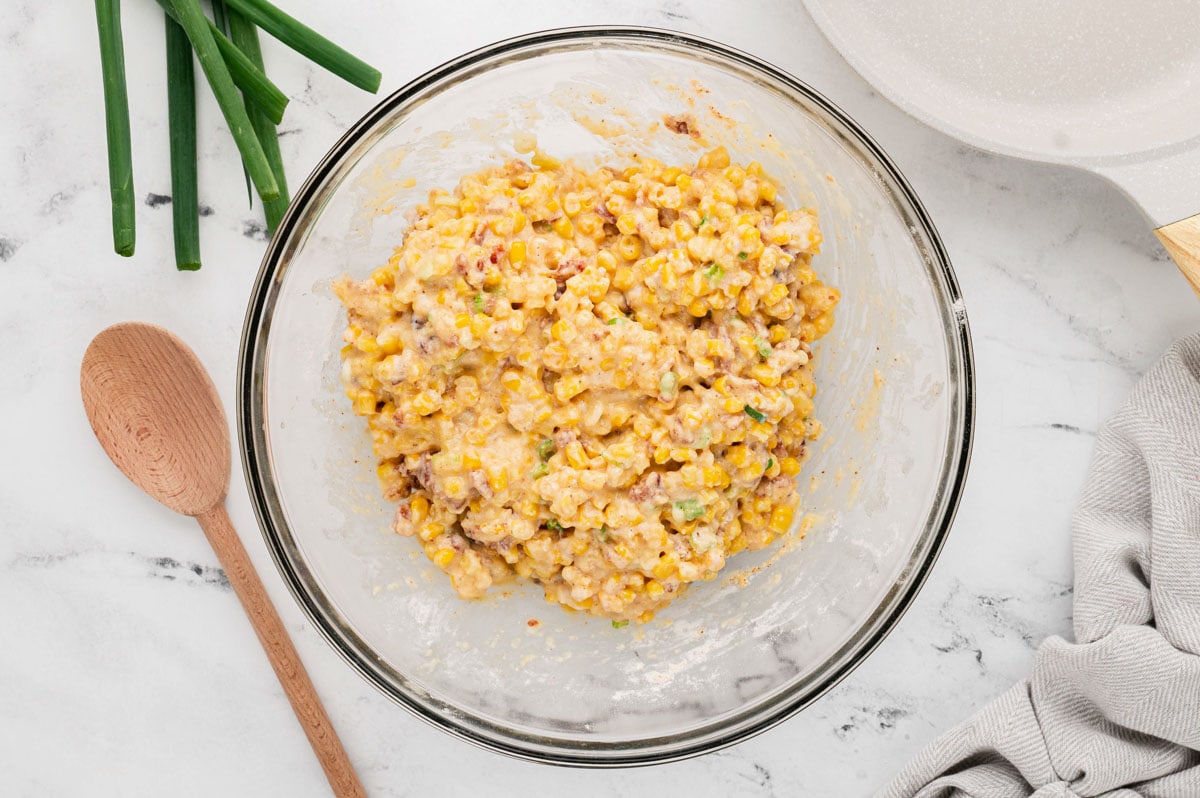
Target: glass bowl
<point>779,627</point>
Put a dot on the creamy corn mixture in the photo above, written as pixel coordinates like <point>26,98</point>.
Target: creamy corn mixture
<point>601,381</point>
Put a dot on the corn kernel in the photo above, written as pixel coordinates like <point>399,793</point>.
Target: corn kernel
<point>562,225</point>
<point>443,557</point>
<point>789,466</point>
<point>629,247</point>
<point>426,402</point>
<point>627,223</point>
<point>682,455</point>
<point>654,589</point>
<point>431,530</point>
<point>470,460</point>
<point>480,324</point>
<point>623,278</point>
<point>697,308</point>
<point>516,253</point>
<point>543,161</point>
<point>714,159</point>
<point>765,375</point>
<point>781,519</point>
<point>590,225</point>
<point>497,479</point>
<point>418,509</point>
<point>691,476</point>
<point>462,320</point>
<point>576,456</point>
<point>737,455</point>
<point>568,387</point>
<point>715,477</point>
<point>776,295</point>
<point>777,333</point>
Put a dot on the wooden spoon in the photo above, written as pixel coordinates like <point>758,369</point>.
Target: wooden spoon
<point>158,416</point>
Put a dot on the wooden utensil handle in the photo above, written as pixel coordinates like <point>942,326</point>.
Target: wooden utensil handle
<point>281,652</point>
<point>1182,242</point>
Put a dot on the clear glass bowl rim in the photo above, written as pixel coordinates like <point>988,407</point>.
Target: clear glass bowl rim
<point>263,491</point>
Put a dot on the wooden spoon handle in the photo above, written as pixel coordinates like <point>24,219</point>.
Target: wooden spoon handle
<point>1182,242</point>
<point>281,652</point>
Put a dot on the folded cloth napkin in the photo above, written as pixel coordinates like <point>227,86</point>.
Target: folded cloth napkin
<point>1118,712</point>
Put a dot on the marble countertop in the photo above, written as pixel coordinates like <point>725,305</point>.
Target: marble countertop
<point>127,667</point>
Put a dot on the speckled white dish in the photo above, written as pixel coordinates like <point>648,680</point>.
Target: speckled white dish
<point>1109,86</point>
<point>779,627</point>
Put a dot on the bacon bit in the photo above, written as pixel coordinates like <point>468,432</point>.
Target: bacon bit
<point>684,124</point>
<point>533,623</point>
<point>569,268</point>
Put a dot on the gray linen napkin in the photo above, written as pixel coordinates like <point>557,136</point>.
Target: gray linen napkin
<point>1118,712</point>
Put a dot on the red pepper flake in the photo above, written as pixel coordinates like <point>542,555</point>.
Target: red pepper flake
<point>533,623</point>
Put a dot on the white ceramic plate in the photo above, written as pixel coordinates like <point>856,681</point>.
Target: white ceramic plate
<point>1109,86</point>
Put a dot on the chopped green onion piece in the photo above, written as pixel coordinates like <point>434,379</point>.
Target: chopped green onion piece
<point>554,525</point>
<point>603,532</point>
<point>714,272</point>
<point>181,118</point>
<point>309,43</point>
<point>199,32</point>
<point>764,348</point>
<point>667,383</point>
<point>742,256</point>
<point>755,414</point>
<point>245,36</point>
<point>770,462</point>
<point>611,321</point>
<point>541,471</point>
<point>690,508</point>
<point>116,118</point>
<point>545,449</point>
<point>703,221</point>
<point>478,303</point>
<point>619,624</point>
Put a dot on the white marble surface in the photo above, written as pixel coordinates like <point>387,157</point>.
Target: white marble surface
<point>126,666</point>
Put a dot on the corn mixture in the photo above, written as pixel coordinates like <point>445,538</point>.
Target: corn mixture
<point>600,380</point>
